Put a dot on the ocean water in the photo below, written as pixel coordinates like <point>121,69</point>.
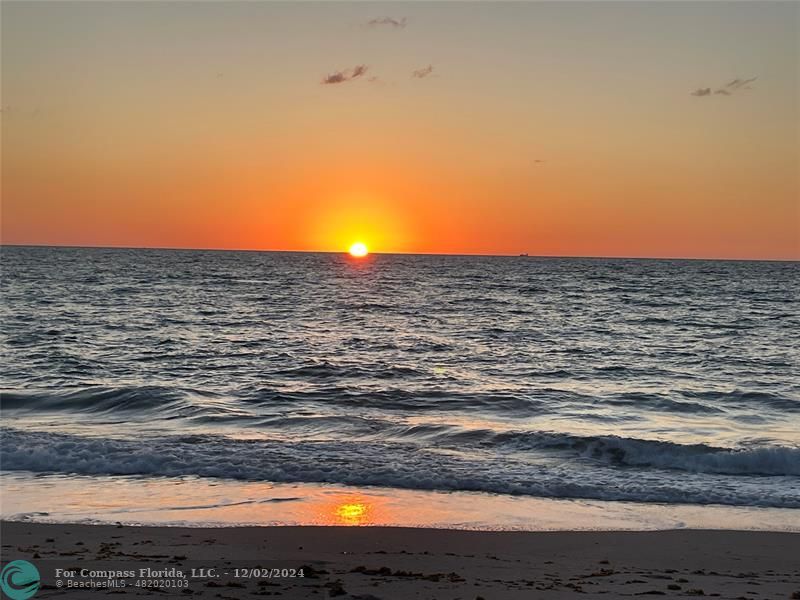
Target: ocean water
<point>646,381</point>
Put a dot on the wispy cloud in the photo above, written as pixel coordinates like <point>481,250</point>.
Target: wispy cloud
<point>345,75</point>
<point>422,73</point>
<point>738,84</point>
<point>729,89</point>
<point>391,22</point>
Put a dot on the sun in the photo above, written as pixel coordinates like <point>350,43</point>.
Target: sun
<point>358,250</point>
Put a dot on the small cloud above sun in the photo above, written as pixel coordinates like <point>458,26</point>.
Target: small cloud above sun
<point>359,249</point>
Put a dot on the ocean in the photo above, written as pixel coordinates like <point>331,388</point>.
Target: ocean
<point>643,381</point>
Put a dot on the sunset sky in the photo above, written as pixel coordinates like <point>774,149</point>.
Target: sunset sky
<point>562,128</point>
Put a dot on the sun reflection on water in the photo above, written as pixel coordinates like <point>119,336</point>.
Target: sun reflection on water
<point>351,509</point>
<point>352,513</point>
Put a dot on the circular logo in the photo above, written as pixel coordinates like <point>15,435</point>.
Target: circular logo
<point>19,580</point>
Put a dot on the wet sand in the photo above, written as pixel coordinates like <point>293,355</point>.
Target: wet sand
<point>387,562</point>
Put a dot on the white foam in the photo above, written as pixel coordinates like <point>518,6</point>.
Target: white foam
<point>397,465</point>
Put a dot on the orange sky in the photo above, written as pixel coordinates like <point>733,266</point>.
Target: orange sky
<point>544,128</point>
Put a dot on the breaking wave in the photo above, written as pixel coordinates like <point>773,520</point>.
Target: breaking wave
<point>413,467</point>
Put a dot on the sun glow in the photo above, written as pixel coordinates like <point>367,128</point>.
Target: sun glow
<point>358,250</point>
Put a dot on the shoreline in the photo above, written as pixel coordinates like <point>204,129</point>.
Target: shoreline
<point>205,502</point>
<point>399,562</point>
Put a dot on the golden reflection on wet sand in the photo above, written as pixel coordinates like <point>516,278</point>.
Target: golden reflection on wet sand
<point>175,501</point>
<point>350,509</point>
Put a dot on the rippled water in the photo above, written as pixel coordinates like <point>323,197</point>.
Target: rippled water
<point>665,381</point>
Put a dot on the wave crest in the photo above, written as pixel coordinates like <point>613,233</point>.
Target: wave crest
<point>360,464</point>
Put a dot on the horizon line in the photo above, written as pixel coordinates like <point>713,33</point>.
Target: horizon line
<point>477,255</point>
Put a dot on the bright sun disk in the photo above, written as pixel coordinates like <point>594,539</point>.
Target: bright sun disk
<point>358,249</point>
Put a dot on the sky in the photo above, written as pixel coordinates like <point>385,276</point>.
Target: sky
<point>652,129</point>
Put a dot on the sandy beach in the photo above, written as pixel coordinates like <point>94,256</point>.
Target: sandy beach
<point>380,562</point>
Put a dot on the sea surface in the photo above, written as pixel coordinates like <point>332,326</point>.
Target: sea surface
<point>645,381</point>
